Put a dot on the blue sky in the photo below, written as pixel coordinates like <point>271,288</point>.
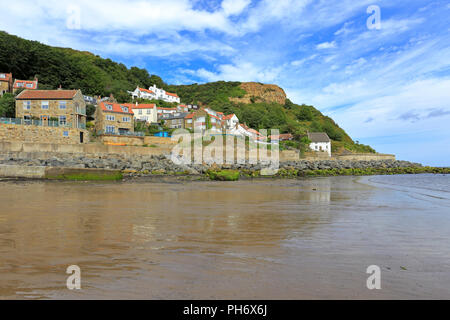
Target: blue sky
<point>387,87</point>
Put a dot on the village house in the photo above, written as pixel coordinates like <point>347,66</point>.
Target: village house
<point>5,83</point>
<point>154,93</point>
<point>230,121</point>
<point>320,142</point>
<point>144,112</point>
<point>65,107</point>
<point>173,121</point>
<point>114,118</point>
<point>198,120</point>
<point>281,137</point>
<point>25,84</point>
<point>143,94</point>
<point>162,110</point>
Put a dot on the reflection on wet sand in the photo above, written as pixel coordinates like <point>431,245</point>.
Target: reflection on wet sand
<point>247,239</point>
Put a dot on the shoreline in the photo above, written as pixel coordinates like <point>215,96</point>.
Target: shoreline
<point>211,173</point>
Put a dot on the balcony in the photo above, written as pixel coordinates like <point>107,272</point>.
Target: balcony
<point>31,122</point>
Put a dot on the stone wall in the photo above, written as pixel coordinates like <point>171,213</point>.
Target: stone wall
<point>136,141</point>
<point>41,134</point>
<point>365,157</point>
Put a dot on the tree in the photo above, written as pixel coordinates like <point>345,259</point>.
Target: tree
<point>90,111</point>
<point>304,114</point>
<point>7,106</point>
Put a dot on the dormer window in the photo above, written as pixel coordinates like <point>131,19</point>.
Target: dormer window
<point>20,84</point>
<point>29,85</point>
<point>124,109</point>
<point>2,76</point>
<point>109,107</point>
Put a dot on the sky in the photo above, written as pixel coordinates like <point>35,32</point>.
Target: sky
<point>380,69</point>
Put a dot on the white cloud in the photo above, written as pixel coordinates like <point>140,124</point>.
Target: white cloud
<point>239,71</point>
<point>326,45</point>
<point>234,7</point>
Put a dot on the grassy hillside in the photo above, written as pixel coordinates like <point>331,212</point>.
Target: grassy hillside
<point>70,68</point>
<point>97,76</point>
<point>289,118</point>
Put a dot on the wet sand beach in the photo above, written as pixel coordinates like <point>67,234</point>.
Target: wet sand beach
<point>255,239</point>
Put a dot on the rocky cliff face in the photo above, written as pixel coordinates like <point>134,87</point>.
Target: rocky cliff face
<point>258,92</point>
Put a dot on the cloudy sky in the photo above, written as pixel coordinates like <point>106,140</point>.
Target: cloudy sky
<point>388,86</point>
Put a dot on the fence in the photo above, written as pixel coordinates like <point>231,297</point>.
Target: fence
<point>42,123</point>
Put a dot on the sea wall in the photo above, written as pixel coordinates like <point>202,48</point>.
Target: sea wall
<point>137,141</point>
<point>160,163</point>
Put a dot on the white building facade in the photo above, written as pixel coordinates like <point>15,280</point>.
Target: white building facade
<point>320,142</point>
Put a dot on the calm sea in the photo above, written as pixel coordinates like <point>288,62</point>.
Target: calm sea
<point>261,239</point>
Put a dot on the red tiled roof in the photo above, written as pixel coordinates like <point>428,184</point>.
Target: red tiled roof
<point>283,136</point>
<point>25,82</point>
<point>46,94</point>
<point>253,131</point>
<point>161,108</point>
<point>145,90</point>
<point>172,94</point>
<point>115,107</point>
<point>190,116</point>
<point>7,77</point>
<point>228,117</point>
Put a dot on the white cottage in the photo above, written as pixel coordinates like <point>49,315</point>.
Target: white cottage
<point>320,142</point>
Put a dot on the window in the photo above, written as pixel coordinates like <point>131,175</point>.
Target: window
<point>20,85</point>
<point>110,129</point>
<point>44,105</point>
<point>62,105</point>
<point>109,106</point>
<point>124,109</point>
<point>140,111</point>
<point>2,76</point>
<point>149,111</point>
<point>65,133</point>
<point>189,121</point>
<point>110,117</point>
<point>126,119</point>
<point>26,105</point>
<point>29,85</point>
<point>62,120</point>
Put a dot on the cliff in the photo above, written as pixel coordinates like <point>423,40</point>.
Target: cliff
<point>259,92</point>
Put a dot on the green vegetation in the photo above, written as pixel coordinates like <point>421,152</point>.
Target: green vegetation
<point>223,175</point>
<point>288,118</point>
<point>285,173</point>
<point>87,176</point>
<point>7,106</point>
<point>97,76</point>
<point>70,68</point>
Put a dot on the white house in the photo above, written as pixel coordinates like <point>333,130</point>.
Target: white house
<point>161,94</point>
<point>320,142</point>
<point>145,112</point>
<point>143,94</point>
<point>155,93</point>
<point>230,121</point>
